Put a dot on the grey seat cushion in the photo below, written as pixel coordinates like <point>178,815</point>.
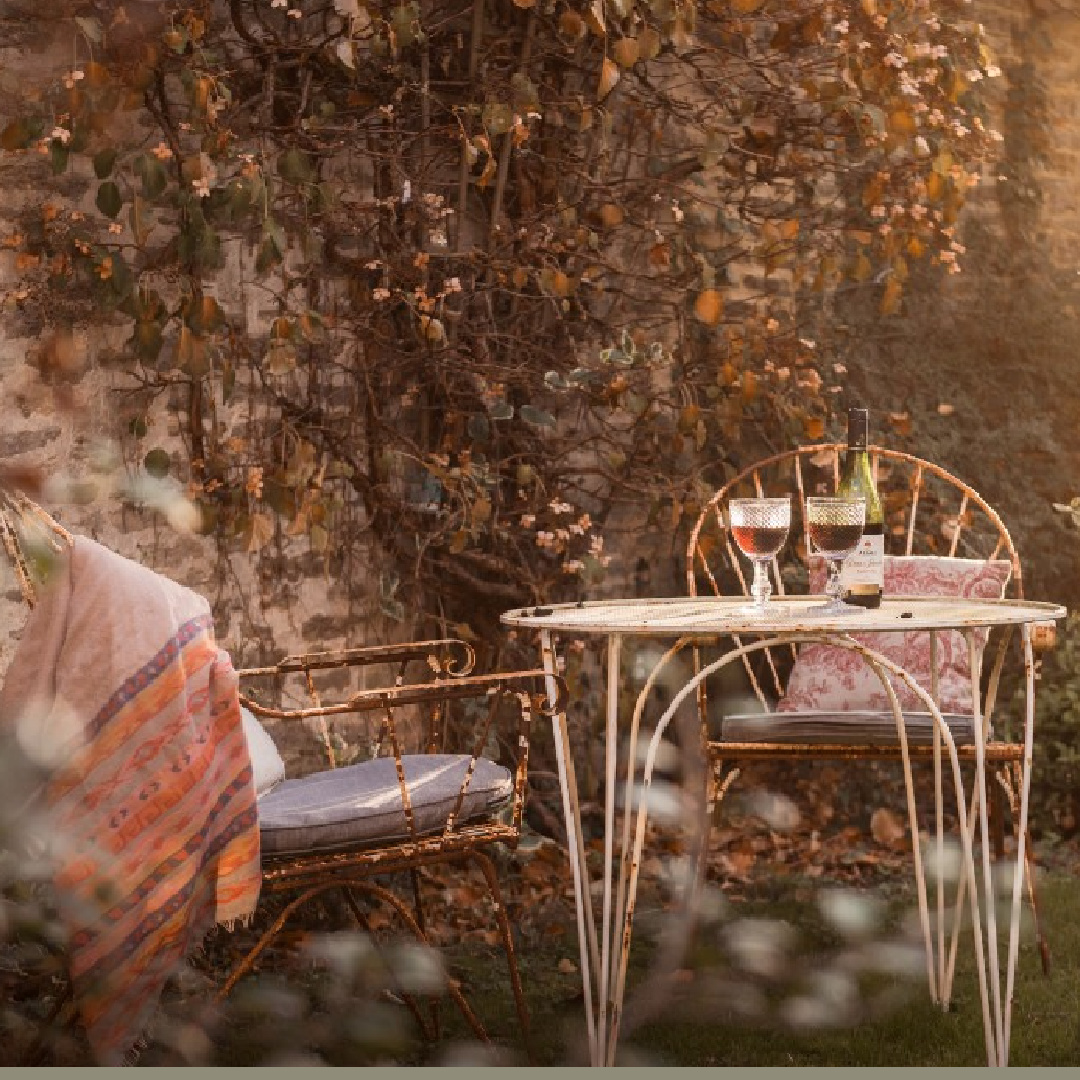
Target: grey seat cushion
<point>856,727</point>
<point>361,803</point>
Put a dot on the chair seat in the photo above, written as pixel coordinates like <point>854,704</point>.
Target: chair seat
<point>361,804</point>
<point>854,728</point>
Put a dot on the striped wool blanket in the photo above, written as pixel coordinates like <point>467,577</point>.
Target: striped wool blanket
<point>118,682</point>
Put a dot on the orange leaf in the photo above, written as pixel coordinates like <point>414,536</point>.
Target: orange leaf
<point>890,299</point>
<point>886,827</point>
<point>626,52</point>
<point>572,25</point>
<point>708,307</point>
<point>609,76</point>
<point>901,422</point>
<point>745,7</point>
<point>660,256</point>
<point>611,215</point>
<point>814,426</point>
<point>595,18</point>
<point>902,122</point>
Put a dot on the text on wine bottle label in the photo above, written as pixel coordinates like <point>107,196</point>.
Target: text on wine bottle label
<point>866,565</point>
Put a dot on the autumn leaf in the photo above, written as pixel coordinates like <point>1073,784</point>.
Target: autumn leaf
<point>902,122</point>
<point>660,256</point>
<point>708,307</point>
<point>611,215</point>
<point>260,532</point>
<point>886,827</point>
<point>745,7</point>
<point>609,76</point>
<point>594,16</point>
<point>814,426</point>
<point>626,52</point>
<point>890,299</point>
<point>901,422</point>
<point>556,283</point>
<point>572,25</point>
<point>648,44</point>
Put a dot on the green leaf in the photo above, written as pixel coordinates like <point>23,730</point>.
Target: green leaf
<point>296,167</point>
<point>151,170</point>
<point>157,462</point>
<point>498,119</point>
<point>532,415</point>
<point>147,340</point>
<point>502,410</point>
<point>91,28</point>
<point>58,156</point>
<point>269,256</point>
<point>109,200</point>
<point>479,428</point>
<point>104,160</point>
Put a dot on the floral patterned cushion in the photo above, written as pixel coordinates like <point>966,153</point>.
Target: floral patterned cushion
<point>827,678</point>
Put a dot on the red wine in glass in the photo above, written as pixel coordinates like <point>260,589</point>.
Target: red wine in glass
<point>760,541</point>
<point>834,538</point>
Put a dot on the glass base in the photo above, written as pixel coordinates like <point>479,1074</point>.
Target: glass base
<point>768,611</point>
<point>834,607</point>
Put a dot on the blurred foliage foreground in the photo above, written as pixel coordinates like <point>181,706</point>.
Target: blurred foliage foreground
<point>328,996</point>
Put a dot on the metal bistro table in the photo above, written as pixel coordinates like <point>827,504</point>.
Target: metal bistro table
<point>689,621</point>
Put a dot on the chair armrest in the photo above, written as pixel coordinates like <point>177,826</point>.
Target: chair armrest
<point>369,656</point>
<point>462,687</point>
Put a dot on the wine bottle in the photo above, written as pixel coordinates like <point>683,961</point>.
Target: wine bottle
<point>863,575</point>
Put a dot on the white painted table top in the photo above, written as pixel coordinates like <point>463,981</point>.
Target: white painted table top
<point>676,616</point>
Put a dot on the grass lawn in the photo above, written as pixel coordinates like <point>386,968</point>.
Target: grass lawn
<point>1046,1011</point>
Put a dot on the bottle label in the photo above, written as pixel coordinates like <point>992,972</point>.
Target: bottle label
<point>865,565</point>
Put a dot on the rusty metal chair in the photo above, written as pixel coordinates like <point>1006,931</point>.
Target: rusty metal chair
<point>406,801</point>
<point>928,512</point>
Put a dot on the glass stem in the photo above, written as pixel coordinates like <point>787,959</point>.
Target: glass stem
<point>762,588</point>
<point>833,589</point>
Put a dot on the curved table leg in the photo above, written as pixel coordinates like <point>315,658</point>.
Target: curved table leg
<point>881,665</point>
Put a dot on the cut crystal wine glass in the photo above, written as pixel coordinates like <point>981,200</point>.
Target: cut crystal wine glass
<point>835,525</point>
<point>760,528</point>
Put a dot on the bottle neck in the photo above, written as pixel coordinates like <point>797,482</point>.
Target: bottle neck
<point>858,430</point>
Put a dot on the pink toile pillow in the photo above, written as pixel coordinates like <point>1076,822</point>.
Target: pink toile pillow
<point>826,678</point>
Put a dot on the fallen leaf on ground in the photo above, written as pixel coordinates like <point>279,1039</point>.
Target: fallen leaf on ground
<point>886,827</point>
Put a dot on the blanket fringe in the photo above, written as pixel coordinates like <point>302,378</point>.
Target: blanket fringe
<point>131,1058</point>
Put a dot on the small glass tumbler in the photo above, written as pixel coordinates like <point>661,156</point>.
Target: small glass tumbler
<point>760,528</point>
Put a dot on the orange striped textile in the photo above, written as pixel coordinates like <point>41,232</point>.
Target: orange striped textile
<point>118,680</point>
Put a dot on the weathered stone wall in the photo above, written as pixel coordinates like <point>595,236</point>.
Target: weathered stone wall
<point>996,343</point>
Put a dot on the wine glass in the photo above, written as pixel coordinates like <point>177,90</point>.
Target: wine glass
<point>760,528</point>
<point>835,525</point>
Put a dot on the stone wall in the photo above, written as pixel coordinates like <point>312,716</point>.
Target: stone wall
<point>996,344</point>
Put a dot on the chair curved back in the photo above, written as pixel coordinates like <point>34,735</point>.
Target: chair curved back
<point>928,511</point>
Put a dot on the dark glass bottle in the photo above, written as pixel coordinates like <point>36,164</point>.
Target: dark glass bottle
<point>863,575</point>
